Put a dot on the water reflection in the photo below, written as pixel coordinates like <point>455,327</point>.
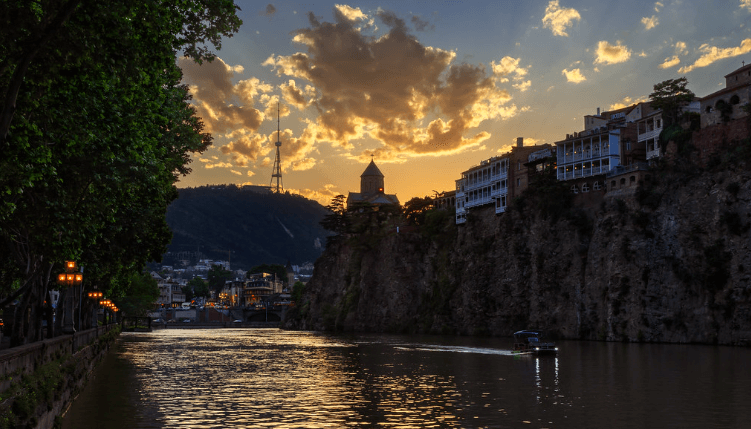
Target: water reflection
<point>271,378</point>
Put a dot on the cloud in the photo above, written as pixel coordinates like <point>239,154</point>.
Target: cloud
<point>670,62</point>
<point>713,53</point>
<point>388,86</point>
<point>509,66</point>
<point>298,97</point>
<point>650,23</point>
<point>574,75</point>
<point>680,47</point>
<point>244,147</point>
<point>322,195</point>
<point>236,172</point>
<point>658,6</point>
<point>222,105</point>
<point>209,165</point>
<point>270,10</point>
<point>420,24</point>
<point>611,54</point>
<point>558,19</point>
<point>251,173</point>
<point>746,4</point>
<point>523,86</point>
<point>627,101</point>
<point>350,13</point>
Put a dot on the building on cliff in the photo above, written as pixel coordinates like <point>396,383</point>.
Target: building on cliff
<point>496,180</point>
<point>725,104</point>
<point>371,189</point>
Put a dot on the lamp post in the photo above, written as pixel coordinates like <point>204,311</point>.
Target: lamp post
<point>96,296</point>
<point>70,278</point>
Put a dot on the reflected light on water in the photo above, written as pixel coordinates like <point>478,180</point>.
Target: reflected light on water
<point>238,378</point>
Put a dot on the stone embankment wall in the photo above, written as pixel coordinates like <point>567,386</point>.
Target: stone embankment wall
<point>38,381</point>
<point>668,263</point>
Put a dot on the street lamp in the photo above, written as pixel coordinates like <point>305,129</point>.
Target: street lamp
<point>95,295</point>
<point>70,278</point>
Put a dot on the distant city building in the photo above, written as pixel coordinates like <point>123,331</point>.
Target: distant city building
<point>371,189</point>
<point>260,286</point>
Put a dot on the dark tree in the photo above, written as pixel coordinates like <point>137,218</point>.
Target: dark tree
<point>95,130</point>
<point>670,96</point>
<point>336,220</point>
<point>416,208</point>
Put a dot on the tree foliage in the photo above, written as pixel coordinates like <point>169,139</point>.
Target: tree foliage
<point>143,291</point>
<point>199,287</point>
<point>218,276</point>
<point>279,270</point>
<point>95,129</point>
<point>670,96</point>
<point>416,208</point>
<point>336,220</point>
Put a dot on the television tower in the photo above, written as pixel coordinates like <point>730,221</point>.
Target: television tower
<point>277,171</point>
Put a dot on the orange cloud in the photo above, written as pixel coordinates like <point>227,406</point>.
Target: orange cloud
<point>574,75</point>
<point>558,18</point>
<point>713,53</point>
<point>670,62</point>
<point>323,195</point>
<point>611,54</point>
<point>244,147</point>
<point>390,87</point>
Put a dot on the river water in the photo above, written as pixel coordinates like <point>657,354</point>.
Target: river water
<point>238,378</point>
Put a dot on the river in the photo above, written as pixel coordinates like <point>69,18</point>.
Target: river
<point>238,378</point>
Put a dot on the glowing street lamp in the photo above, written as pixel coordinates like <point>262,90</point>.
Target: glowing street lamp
<point>70,277</point>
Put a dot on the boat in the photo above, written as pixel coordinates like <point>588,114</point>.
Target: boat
<point>531,342</point>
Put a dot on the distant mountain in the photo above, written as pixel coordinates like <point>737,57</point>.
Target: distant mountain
<point>255,225</point>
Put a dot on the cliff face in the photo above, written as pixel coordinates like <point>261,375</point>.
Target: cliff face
<point>668,261</point>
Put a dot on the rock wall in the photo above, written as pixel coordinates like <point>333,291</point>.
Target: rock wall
<point>667,263</point>
<point>38,381</point>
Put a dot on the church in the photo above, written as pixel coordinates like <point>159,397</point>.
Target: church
<point>371,189</point>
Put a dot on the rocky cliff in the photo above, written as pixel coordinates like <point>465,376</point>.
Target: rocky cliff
<point>665,261</point>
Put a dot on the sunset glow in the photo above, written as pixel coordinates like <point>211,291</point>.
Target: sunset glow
<point>431,89</point>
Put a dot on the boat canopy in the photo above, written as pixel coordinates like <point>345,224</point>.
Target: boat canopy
<point>525,334</point>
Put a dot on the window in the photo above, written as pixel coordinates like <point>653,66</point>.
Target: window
<point>574,189</point>
<point>596,186</point>
<point>518,182</point>
<point>628,145</point>
<point>585,187</point>
<point>658,123</point>
<point>612,184</point>
<point>708,109</point>
<point>623,181</point>
<point>632,179</point>
<point>734,99</point>
<point>519,165</point>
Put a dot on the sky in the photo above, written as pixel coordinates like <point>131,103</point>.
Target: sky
<point>428,89</point>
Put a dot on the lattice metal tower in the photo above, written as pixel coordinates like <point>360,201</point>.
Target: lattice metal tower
<point>277,171</point>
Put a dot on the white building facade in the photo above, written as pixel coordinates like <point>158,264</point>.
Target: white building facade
<point>483,184</point>
<point>588,153</point>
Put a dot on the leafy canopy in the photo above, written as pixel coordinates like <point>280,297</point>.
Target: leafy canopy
<point>670,96</point>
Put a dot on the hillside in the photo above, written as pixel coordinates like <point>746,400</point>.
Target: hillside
<point>669,262</point>
<point>256,226</point>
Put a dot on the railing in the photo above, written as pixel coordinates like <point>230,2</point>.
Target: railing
<point>622,169</point>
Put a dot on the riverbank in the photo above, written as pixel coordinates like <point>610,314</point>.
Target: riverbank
<point>39,381</point>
